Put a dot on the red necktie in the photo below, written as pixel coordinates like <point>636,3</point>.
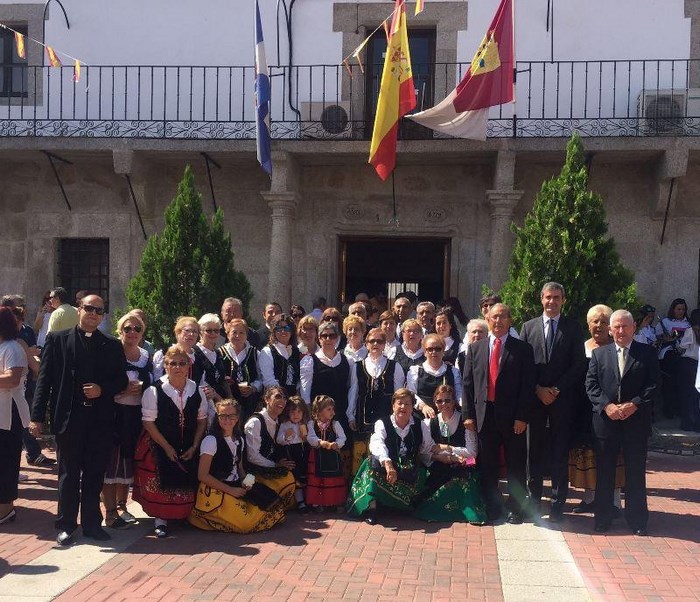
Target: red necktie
<point>493,370</point>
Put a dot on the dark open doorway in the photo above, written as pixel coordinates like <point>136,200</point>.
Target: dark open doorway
<point>388,265</point>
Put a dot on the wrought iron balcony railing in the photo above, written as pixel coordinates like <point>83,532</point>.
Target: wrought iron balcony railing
<point>596,98</point>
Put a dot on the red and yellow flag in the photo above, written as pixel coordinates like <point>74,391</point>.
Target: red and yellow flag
<point>53,58</point>
<point>420,6</point>
<point>76,71</point>
<point>397,95</point>
<point>19,43</point>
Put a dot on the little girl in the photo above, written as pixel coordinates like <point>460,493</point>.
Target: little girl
<point>326,483</point>
<point>292,439</point>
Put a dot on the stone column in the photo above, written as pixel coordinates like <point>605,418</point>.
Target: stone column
<point>503,203</point>
<point>283,206</point>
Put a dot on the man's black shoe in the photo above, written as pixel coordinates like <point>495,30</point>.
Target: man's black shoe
<point>98,534</point>
<point>556,514</point>
<point>514,518</point>
<point>64,538</point>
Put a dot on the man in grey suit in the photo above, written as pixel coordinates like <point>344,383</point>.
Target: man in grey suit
<point>620,383</point>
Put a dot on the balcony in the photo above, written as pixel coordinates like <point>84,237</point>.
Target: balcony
<point>322,102</point>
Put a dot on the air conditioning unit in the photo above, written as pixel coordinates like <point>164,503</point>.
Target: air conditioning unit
<point>663,112</point>
<point>325,120</point>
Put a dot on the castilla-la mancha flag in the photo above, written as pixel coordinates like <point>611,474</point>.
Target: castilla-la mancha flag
<point>397,95</point>
<point>487,83</point>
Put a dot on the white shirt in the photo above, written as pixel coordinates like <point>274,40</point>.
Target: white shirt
<point>266,363</point>
<point>492,342</point>
<point>340,437</point>
<point>689,345</point>
<point>646,335</point>
<point>377,442</point>
<point>208,353</point>
<point>667,326</point>
<point>469,448</point>
<point>13,356</point>
<point>410,355</point>
<point>306,377</point>
<point>412,381</point>
<point>149,401</point>
<point>316,313</point>
<point>253,439</point>
<point>208,448</point>
<point>127,399</point>
<point>240,360</point>
<point>390,349</point>
<point>374,369</point>
<point>289,433</point>
<point>355,356</point>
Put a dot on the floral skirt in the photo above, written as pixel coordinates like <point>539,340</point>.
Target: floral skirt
<point>582,469</point>
<point>370,485</point>
<point>215,510</point>
<point>457,500</point>
<point>157,501</point>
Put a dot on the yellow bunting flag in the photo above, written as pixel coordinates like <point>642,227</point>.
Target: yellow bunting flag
<point>397,95</point>
<point>420,6</point>
<point>386,28</point>
<point>53,58</point>
<point>19,43</point>
<point>76,71</point>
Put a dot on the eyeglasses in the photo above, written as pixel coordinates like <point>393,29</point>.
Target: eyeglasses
<point>328,335</point>
<point>190,330</point>
<point>286,328</point>
<point>227,416</point>
<point>434,349</point>
<point>128,329</point>
<point>441,401</point>
<point>331,319</point>
<point>211,330</point>
<point>376,341</point>
<point>180,364</point>
<point>91,309</point>
<point>411,333</point>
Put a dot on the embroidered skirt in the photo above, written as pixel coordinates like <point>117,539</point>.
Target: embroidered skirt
<point>455,499</point>
<point>582,469</point>
<point>326,484</point>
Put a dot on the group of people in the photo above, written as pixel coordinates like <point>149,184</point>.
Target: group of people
<point>231,427</point>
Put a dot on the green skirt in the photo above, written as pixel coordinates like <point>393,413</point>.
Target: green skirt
<point>371,486</point>
<point>458,500</point>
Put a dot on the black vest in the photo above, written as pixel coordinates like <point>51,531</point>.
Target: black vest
<point>268,447</point>
<point>223,461</point>
<point>145,372</point>
<point>450,356</point>
<point>427,383</point>
<point>286,371</point>
<point>181,437</point>
<point>412,442</point>
<point>406,362</point>
<point>373,395</point>
<point>456,440</point>
<point>333,382</point>
<point>213,373</point>
<point>246,372</point>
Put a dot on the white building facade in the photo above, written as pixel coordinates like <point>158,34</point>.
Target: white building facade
<point>87,168</point>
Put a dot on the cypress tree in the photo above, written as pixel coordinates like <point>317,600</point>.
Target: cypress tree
<point>188,269</point>
<point>565,239</point>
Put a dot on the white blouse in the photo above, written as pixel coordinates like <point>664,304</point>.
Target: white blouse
<point>13,356</point>
<point>314,441</point>
<point>307,377</point>
<point>253,438</point>
<point>290,433</point>
<point>130,399</point>
<point>377,441</point>
<point>469,448</point>
<point>374,369</point>
<point>208,448</point>
<point>412,380</point>
<point>240,360</point>
<point>149,401</point>
<point>266,363</point>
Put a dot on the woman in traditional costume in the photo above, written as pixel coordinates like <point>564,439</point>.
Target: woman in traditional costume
<point>240,365</point>
<point>210,363</point>
<point>228,499</point>
<point>452,490</point>
<point>174,413</point>
<point>394,474</point>
<point>279,359</point>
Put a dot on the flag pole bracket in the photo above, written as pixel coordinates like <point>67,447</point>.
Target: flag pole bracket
<point>52,158</point>
<point>207,161</point>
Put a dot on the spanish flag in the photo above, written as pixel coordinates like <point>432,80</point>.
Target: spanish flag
<point>397,95</point>
<point>53,58</point>
<point>19,42</point>
<point>488,82</point>
<point>420,7</point>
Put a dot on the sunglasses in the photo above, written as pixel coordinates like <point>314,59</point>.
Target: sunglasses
<point>376,342</point>
<point>128,329</point>
<point>211,330</point>
<point>283,328</point>
<point>227,416</point>
<point>331,319</point>
<point>441,401</point>
<point>180,364</point>
<point>328,335</point>
<point>434,349</point>
<point>91,309</point>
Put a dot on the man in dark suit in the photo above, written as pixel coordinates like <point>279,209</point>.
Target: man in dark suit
<point>557,342</point>
<point>81,371</point>
<point>262,335</point>
<point>621,383</point>
<point>499,389</point>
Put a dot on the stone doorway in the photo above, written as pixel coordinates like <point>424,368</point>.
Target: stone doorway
<point>387,265</point>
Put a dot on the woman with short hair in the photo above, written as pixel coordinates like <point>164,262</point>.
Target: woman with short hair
<point>279,360</point>
<point>354,330</point>
<point>307,333</point>
<point>210,363</point>
<point>410,353</point>
<point>241,367</point>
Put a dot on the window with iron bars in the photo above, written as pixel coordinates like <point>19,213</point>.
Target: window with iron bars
<point>83,264</point>
<point>13,69</point>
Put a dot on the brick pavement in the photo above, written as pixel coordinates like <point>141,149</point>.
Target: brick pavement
<point>323,557</point>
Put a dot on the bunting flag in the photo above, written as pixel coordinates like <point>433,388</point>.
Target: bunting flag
<point>420,7</point>
<point>262,97</point>
<point>397,95</point>
<point>488,82</point>
<point>76,71</point>
<point>53,57</point>
<point>19,43</point>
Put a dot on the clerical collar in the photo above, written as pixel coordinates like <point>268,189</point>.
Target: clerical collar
<point>84,333</point>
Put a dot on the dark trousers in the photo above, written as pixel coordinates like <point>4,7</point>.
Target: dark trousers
<point>491,436</point>
<point>10,455</point>
<point>83,453</point>
<point>552,449</point>
<point>689,396</point>
<point>630,434</point>
<point>31,445</point>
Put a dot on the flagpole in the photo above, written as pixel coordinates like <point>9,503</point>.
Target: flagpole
<point>515,71</point>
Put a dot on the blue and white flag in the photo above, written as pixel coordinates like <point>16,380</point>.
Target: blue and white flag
<point>262,97</point>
